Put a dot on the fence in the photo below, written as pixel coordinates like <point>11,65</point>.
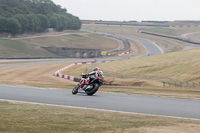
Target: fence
<point>182,84</point>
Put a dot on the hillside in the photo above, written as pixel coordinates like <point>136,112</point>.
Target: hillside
<point>182,66</point>
<point>21,16</point>
<point>29,46</point>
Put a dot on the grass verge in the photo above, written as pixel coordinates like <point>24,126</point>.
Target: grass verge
<point>16,117</point>
<point>181,93</point>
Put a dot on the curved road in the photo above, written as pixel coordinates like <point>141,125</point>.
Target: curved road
<point>151,47</point>
<point>102,101</point>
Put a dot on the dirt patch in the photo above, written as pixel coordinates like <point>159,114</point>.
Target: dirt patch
<point>137,47</point>
<point>138,83</point>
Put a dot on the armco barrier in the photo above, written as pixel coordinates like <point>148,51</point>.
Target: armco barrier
<point>173,37</point>
<point>184,26</point>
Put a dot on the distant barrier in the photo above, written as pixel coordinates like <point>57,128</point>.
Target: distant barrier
<point>189,40</point>
<point>184,26</point>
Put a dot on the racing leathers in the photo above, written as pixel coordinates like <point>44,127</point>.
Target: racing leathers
<point>90,78</point>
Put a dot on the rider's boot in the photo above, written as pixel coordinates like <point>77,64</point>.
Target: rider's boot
<point>84,87</point>
<point>88,87</point>
<point>87,83</point>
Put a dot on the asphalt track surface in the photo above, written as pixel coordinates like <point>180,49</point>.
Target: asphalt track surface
<point>151,47</point>
<point>180,108</point>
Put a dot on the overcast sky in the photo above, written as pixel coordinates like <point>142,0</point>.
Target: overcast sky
<point>126,10</point>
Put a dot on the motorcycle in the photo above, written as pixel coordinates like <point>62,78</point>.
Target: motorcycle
<point>91,88</point>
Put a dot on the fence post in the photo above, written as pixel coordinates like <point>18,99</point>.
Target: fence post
<point>187,84</point>
<point>163,84</point>
<point>174,84</point>
<point>181,84</point>
<point>193,84</point>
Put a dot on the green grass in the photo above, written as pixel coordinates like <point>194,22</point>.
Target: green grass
<point>12,49</point>
<point>83,40</point>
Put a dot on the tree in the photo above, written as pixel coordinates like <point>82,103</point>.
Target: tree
<point>23,20</point>
<point>54,21</point>
<point>33,22</point>
<point>43,22</point>
<point>13,26</point>
<point>3,22</point>
<point>19,16</point>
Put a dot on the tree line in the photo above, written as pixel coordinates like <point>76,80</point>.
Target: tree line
<point>20,16</point>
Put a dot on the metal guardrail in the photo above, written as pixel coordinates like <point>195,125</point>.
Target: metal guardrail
<point>189,40</point>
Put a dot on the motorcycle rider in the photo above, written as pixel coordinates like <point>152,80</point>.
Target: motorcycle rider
<point>96,72</point>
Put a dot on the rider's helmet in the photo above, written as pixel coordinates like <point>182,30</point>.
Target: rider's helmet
<point>96,69</point>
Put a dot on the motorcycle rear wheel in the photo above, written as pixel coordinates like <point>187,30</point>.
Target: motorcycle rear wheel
<point>93,90</point>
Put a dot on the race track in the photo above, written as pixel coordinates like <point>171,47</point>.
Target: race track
<point>151,47</point>
<point>113,102</point>
<point>181,108</point>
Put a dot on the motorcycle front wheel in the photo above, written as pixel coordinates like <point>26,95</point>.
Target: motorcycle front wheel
<point>75,89</point>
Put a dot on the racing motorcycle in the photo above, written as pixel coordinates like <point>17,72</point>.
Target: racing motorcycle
<point>91,88</point>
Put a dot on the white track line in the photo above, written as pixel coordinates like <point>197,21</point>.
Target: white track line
<point>38,88</point>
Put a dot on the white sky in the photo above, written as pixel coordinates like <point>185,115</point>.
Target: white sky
<point>126,10</point>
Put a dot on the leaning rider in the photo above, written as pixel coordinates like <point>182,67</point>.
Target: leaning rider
<point>97,73</point>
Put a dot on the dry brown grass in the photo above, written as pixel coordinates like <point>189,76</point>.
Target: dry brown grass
<point>152,70</point>
<point>169,92</point>
<point>195,35</point>
<point>33,75</point>
<point>137,48</point>
<point>15,117</point>
<point>181,66</point>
